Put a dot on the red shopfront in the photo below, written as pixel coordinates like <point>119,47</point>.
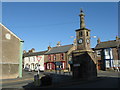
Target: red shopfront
<point>57,65</point>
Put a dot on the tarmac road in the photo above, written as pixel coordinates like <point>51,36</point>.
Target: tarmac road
<point>103,82</point>
<point>106,79</point>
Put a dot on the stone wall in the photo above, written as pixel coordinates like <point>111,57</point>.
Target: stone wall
<point>10,54</point>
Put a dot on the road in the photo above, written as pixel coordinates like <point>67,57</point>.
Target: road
<point>106,79</point>
<point>103,82</point>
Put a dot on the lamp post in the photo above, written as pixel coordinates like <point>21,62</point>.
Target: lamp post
<point>39,58</point>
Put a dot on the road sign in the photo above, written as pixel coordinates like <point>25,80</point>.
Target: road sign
<point>39,58</point>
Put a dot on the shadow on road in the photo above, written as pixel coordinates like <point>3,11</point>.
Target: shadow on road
<point>99,82</point>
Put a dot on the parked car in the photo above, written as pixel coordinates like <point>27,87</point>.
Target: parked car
<point>27,69</point>
<point>41,68</point>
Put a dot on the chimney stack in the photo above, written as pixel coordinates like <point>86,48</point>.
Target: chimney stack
<point>58,44</point>
<point>49,47</point>
<point>117,38</point>
<point>98,41</point>
<point>24,51</point>
<point>32,50</point>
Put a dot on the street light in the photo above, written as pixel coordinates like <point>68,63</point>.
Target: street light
<point>94,36</point>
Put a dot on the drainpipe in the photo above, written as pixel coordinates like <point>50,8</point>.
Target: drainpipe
<point>20,61</point>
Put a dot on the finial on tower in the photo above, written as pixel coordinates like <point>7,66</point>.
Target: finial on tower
<point>82,21</point>
<point>117,38</point>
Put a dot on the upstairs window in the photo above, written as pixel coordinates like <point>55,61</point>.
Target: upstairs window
<point>107,53</point>
<point>54,57</point>
<point>62,56</point>
<point>98,53</point>
<point>87,34</point>
<point>49,57</point>
<point>80,34</point>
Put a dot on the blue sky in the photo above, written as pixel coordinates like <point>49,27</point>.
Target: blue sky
<point>42,23</point>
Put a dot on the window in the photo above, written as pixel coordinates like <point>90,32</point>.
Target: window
<point>54,57</point>
<point>107,53</point>
<point>63,64</point>
<point>87,34</point>
<point>29,59</point>
<point>34,59</point>
<point>80,34</point>
<point>98,53</point>
<point>50,66</point>
<point>62,56</point>
<point>49,57</point>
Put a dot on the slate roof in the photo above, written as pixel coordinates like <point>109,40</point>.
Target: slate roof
<point>60,49</point>
<point>108,44</point>
<point>82,29</point>
<point>34,53</point>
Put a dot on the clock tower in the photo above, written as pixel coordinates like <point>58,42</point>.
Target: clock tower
<point>83,35</point>
<point>84,61</point>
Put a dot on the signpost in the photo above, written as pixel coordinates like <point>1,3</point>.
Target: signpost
<point>39,58</point>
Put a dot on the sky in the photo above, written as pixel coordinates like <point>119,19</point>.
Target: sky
<point>41,24</point>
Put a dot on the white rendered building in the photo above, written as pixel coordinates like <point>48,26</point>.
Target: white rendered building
<point>33,60</point>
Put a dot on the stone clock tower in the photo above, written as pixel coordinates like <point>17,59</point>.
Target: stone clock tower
<point>83,35</point>
<point>84,61</point>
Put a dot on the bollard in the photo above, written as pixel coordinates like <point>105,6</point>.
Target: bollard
<point>37,81</point>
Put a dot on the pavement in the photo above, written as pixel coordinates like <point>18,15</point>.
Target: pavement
<point>17,82</point>
<point>58,80</point>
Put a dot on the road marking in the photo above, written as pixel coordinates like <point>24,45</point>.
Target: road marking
<point>4,82</point>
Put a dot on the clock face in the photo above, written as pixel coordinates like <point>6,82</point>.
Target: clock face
<point>88,41</point>
<point>8,36</point>
<point>80,41</point>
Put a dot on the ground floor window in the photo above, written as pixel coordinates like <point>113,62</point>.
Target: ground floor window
<point>49,66</point>
<point>55,65</point>
<point>107,64</point>
<point>112,63</point>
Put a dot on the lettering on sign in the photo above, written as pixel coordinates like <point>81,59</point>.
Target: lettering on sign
<point>76,65</point>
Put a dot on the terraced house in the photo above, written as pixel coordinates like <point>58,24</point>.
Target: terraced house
<point>33,60</point>
<point>108,54</point>
<point>58,58</point>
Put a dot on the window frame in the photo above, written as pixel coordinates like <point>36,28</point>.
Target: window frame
<point>62,56</point>
<point>80,33</point>
<point>54,57</point>
<point>49,57</point>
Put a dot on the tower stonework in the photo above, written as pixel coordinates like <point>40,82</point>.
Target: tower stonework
<point>83,35</point>
<point>84,62</point>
